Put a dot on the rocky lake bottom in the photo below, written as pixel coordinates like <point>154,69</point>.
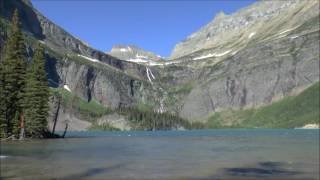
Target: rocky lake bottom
<point>202,154</point>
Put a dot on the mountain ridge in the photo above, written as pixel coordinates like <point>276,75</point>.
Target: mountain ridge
<point>214,31</point>
<point>247,70</point>
<point>133,53</point>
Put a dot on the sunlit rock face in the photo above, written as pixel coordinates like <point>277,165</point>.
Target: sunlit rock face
<point>133,53</point>
<point>224,29</point>
<point>253,57</point>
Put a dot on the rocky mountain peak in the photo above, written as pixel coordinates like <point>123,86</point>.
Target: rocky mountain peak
<point>133,53</point>
<point>221,15</point>
<point>224,26</point>
<point>124,48</point>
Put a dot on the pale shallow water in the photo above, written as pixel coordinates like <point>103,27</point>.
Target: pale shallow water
<point>203,154</point>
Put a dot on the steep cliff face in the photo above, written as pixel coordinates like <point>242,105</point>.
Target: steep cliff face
<point>258,75</point>
<point>73,65</point>
<point>251,58</point>
<point>245,25</point>
<point>109,86</point>
<point>254,57</point>
<point>71,61</point>
<point>28,16</point>
<point>57,39</point>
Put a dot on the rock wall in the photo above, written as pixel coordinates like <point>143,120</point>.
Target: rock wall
<point>253,57</point>
<point>224,28</point>
<point>258,75</point>
<point>110,87</point>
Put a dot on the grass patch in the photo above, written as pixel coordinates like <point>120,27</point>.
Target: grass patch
<point>141,117</point>
<point>88,110</point>
<point>102,127</point>
<point>290,112</point>
<point>182,89</point>
<point>143,107</point>
<point>176,93</point>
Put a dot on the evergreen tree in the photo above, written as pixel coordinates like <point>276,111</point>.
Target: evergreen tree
<point>3,124</point>
<point>37,95</point>
<point>13,70</point>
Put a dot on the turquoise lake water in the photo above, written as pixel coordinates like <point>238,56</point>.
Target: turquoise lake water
<point>203,154</point>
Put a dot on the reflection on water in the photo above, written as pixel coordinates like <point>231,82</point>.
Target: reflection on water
<point>206,154</point>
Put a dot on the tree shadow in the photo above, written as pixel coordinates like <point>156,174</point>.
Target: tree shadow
<point>261,170</point>
<point>91,172</point>
<point>53,76</point>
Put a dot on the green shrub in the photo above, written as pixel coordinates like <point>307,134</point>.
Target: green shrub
<point>88,110</point>
<point>103,127</point>
<point>290,112</point>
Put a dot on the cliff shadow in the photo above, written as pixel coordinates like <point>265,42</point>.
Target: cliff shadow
<point>51,69</point>
<point>29,18</point>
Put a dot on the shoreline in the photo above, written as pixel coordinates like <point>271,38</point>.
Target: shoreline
<point>309,126</point>
<point>306,127</point>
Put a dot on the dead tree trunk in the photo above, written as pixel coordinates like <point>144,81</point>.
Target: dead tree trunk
<point>22,132</point>
<point>65,130</point>
<point>55,119</point>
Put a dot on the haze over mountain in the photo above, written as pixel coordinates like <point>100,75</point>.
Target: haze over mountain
<point>254,59</point>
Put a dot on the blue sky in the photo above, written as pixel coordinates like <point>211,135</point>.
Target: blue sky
<point>156,26</point>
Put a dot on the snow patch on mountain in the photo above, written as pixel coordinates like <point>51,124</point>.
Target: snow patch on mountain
<point>287,30</point>
<point>141,56</point>
<point>123,49</point>
<point>152,63</point>
<point>66,87</point>
<point>172,62</point>
<point>137,60</point>
<point>293,37</point>
<point>88,58</point>
<point>212,55</point>
<point>251,35</point>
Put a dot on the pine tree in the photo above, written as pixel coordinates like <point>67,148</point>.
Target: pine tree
<point>3,124</point>
<point>13,72</point>
<point>37,95</point>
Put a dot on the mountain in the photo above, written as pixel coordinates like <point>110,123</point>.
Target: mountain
<point>226,34</point>
<point>77,68</point>
<point>251,58</point>
<point>135,54</point>
<point>254,58</point>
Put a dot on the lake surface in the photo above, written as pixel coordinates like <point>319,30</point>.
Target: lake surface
<point>204,154</point>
